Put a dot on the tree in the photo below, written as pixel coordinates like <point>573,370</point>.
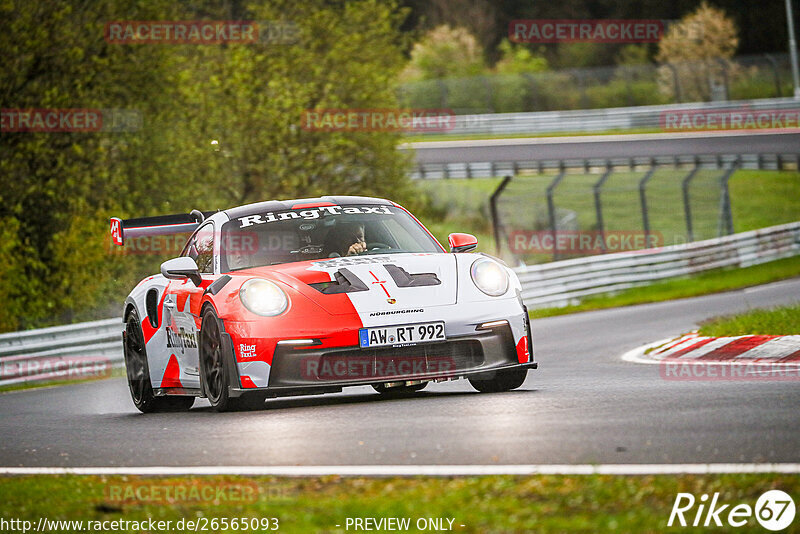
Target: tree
<point>57,190</point>
<point>699,47</point>
<point>518,59</point>
<point>444,52</point>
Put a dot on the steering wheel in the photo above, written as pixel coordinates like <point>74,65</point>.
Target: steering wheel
<point>376,246</point>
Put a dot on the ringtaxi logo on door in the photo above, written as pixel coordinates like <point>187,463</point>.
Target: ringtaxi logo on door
<point>774,510</point>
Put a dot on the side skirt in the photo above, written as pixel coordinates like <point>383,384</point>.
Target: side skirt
<point>179,392</point>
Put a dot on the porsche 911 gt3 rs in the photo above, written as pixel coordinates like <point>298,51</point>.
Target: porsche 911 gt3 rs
<point>309,296</point>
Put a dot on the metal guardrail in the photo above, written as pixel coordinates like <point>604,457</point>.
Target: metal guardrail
<point>600,120</point>
<point>492,169</point>
<point>60,352</point>
<point>566,282</point>
<point>90,348</point>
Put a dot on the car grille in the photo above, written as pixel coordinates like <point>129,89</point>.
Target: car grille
<point>439,359</point>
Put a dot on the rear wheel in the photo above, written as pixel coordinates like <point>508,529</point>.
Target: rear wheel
<point>138,373</point>
<point>398,391</point>
<point>502,381</point>
<point>215,372</point>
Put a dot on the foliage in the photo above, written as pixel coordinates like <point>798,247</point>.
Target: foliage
<point>633,54</point>
<point>708,36</point>
<point>444,52</point>
<point>517,59</point>
<point>57,190</point>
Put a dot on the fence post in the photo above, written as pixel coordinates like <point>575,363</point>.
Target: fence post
<point>776,74</point>
<point>598,204</point>
<point>551,206</point>
<point>629,85</point>
<point>494,214</point>
<point>442,93</point>
<point>643,200</point>
<point>582,86</point>
<point>676,81</point>
<point>725,78</point>
<point>489,100</point>
<point>687,209</point>
<point>727,213</point>
<point>532,98</point>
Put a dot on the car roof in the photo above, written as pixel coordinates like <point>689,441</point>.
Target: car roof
<point>280,205</point>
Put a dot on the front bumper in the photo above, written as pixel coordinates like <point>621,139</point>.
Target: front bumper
<point>481,353</point>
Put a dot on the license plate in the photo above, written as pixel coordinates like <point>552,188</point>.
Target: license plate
<point>403,334</point>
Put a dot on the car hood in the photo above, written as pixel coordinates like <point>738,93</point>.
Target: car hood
<point>387,282</point>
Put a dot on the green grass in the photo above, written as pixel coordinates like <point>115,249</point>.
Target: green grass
<point>590,503</point>
<point>784,320</point>
<point>116,372</point>
<point>709,282</point>
<point>764,198</point>
<point>759,199</point>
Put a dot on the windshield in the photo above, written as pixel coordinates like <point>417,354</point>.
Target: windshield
<point>273,238</point>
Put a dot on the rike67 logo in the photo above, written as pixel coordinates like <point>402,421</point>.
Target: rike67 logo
<point>774,510</point>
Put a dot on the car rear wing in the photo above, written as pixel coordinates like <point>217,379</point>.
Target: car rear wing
<point>122,229</point>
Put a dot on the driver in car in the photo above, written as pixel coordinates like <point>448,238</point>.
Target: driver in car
<point>348,240</point>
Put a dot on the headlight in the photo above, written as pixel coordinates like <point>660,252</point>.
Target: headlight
<point>263,297</point>
<point>489,277</point>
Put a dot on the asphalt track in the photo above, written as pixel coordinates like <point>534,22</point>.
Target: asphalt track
<point>583,406</point>
<point>606,146</point>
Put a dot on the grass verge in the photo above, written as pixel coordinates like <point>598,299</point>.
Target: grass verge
<point>588,503</point>
<point>116,372</point>
<point>703,284</point>
<point>784,320</point>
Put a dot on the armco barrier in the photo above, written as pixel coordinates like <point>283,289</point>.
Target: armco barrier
<point>565,282</point>
<point>35,355</point>
<point>600,120</point>
<point>549,284</point>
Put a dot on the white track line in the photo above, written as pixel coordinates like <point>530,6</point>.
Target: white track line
<point>416,470</point>
<point>637,355</point>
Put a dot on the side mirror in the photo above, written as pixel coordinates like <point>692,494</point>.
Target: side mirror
<point>462,242</point>
<point>183,267</point>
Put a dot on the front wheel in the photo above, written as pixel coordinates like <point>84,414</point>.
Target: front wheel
<point>215,373</point>
<point>502,381</point>
<point>138,372</point>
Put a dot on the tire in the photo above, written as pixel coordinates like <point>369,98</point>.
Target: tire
<point>215,371</point>
<point>502,381</point>
<point>398,391</point>
<point>138,373</point>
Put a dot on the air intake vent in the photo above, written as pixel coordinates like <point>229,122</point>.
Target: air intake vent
<point>403,278</point>
<point>346,282</point>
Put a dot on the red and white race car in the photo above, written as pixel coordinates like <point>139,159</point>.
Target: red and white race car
<point>308,296</point>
